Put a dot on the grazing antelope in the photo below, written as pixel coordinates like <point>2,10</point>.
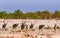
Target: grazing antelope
<point>41,26</point>
<point>23,26</point>
<point>55,27</point>
<point>31,26</point>
<point>4,26</point>
<point>15,25</point>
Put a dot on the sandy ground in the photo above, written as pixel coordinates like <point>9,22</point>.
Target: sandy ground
<point>44,33</point>
<point>31,34</point>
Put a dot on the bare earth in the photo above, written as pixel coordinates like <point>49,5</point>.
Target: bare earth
<point>43,33</point>
<point>31,34</point>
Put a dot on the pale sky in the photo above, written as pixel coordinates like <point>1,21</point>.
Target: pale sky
<point>29,5</point>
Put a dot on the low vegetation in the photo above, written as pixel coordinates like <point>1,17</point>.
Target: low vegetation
<point>17,14</point>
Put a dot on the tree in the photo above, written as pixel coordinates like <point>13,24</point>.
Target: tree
<point>3,14</point>
<point>46,14</point>
<point>17,14</point>
<point>30,15</point>
<point>56,14</point>
<point>10,16</point>
<point>38,15</point>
